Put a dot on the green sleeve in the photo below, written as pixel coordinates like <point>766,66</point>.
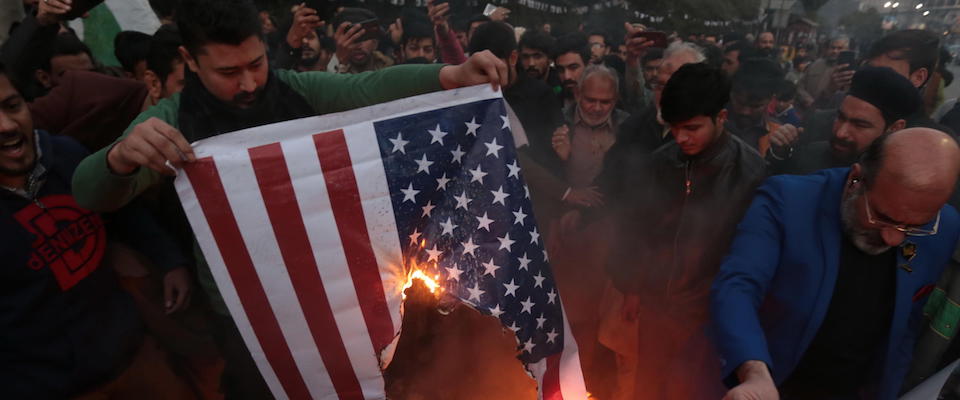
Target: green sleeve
<point>97,188</point>
<point>329,93</point>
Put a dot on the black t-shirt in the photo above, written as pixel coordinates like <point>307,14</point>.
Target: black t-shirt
<point>850,340</point>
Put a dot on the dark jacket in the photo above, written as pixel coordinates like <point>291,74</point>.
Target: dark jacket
<point>540,113</point>
<point>676,219</point>
<point>65,325</point>
<point>638,137</point>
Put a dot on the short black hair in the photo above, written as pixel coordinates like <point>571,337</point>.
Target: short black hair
<point>757,78</point>
<point>600,33</point>
<point>164,8</point>
<point>786,91</point>
<point>416,29</point>
<point>217,21</point>
<point>574,42</point>
<point>694,90</point>
<point>746,49</point>
<point>920,48</point>
<point>539,40</point>
<point>66,44</point>
<point>163,51</point>
<point>653,53</point>
<point>131,47</point>
<point>495,36</point>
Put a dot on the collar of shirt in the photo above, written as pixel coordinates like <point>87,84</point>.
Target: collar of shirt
<point>37,175</point>
<point>573,115</point>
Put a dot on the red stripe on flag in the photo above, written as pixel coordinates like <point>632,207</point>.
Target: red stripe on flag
<point>205,180</point>
<point>551,379</point>
<point>348,212</point>
<point>281,202</point>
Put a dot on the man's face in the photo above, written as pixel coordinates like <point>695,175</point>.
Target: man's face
<point>362,55</point>
<point>650,71</point>
<point>801,52</point>
<point>534,62</point>
<point>598,48</point>
<point>784,105</point>
<point>59,65</point>
<point>596,100</point>
<point>698,133</point>
<point>547,28</point>
<point>857,125</point>
<point>233,74</point>
<point>174,82</point>
<point>311,46</point>
<point>731,62</point>
<point>569,66</point>
<point>462,37</point>
<point>422,47</point>
<point>765,41</point>
<point>868,213</point>
<point>746,109</point>
<point>666,70</point>
<point>835,48</point>
<point>710,40</point>
<point>17,151</point>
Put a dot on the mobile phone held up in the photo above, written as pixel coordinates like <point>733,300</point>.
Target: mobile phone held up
<point>78,8</point>
<point>659,39</point>
<point>849,58</point>
<point>371,29</point>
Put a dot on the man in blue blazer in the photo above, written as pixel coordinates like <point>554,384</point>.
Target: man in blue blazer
<point>822,293</point>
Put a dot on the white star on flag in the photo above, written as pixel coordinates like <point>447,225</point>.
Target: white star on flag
<point>437,135</point>
<point>511,289</point>
<point>423,165</point>
<point>490,268</point>
<point>477,174</point>
<point>499,196</point>
<point>472,127</point>
<point>493,149</point>
<point>514,170</point>
<point>453,273</point>
<point>527,306</point>
<point>427,209</point>
<point>484,222</point>
<point>519,216</point>
<point>505,242</point>
<point>475,292</point>
<point>434,254</point>
<point>410,194</point>
<point>457,154</point>
<point>399,143</point>
<point>469,247</point>
<point>448,227</point>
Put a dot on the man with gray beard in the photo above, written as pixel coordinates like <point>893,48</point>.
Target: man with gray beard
<point>822,293</point>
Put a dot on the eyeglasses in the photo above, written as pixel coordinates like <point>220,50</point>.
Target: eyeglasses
<point>908,230</point>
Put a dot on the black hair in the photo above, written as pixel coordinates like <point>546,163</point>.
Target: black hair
<point>539,40</point>
<point>476,18</point>
<point>602,34</point>
<point>575,42</point>
<point>163,52</point>
<point>131,47</point>
<point>217,21</point>
<point>712,54</point>
<point>653,53</point>
<point>66,44</point>
<point>495,36</point>
<point>786,91</point>
<point>417,29</point>
<point>920,48</point>
<point>694,90</point>
<point>758,78</point>
<point>746,49</point>
<point>164,8</point>
<point>416,60</point>
<point>327,43</point>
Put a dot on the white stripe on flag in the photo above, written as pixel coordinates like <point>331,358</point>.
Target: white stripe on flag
<point>240,185</point>
<point>571,376</point>
<point>134,15</point>
<point>378,212</point>
<point>313,199</point>
<point>214,259</point>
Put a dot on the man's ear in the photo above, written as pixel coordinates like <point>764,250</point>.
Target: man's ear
<point>897,126</point>
<point>919,77</point>
<point>722,117</point>
<point>512,59</point>
<point>154,86</point>
<point>188,59</point>
<point>43,77</point>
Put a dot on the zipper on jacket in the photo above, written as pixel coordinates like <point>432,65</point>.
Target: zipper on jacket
<point>687,190</point>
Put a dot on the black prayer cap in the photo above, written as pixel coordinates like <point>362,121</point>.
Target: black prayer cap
<point>886,90</point>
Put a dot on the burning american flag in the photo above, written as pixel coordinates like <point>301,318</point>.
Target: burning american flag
<point>312,229</point>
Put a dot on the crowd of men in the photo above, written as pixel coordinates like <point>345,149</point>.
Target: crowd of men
<point>723,221</point>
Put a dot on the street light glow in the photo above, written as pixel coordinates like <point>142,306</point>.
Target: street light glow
<point>926,13</point>
<point>919,6</point>
<point>895,5</point>
<point>887,4</point>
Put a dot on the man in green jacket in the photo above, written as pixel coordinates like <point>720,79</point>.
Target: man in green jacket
<point>229,86</point>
